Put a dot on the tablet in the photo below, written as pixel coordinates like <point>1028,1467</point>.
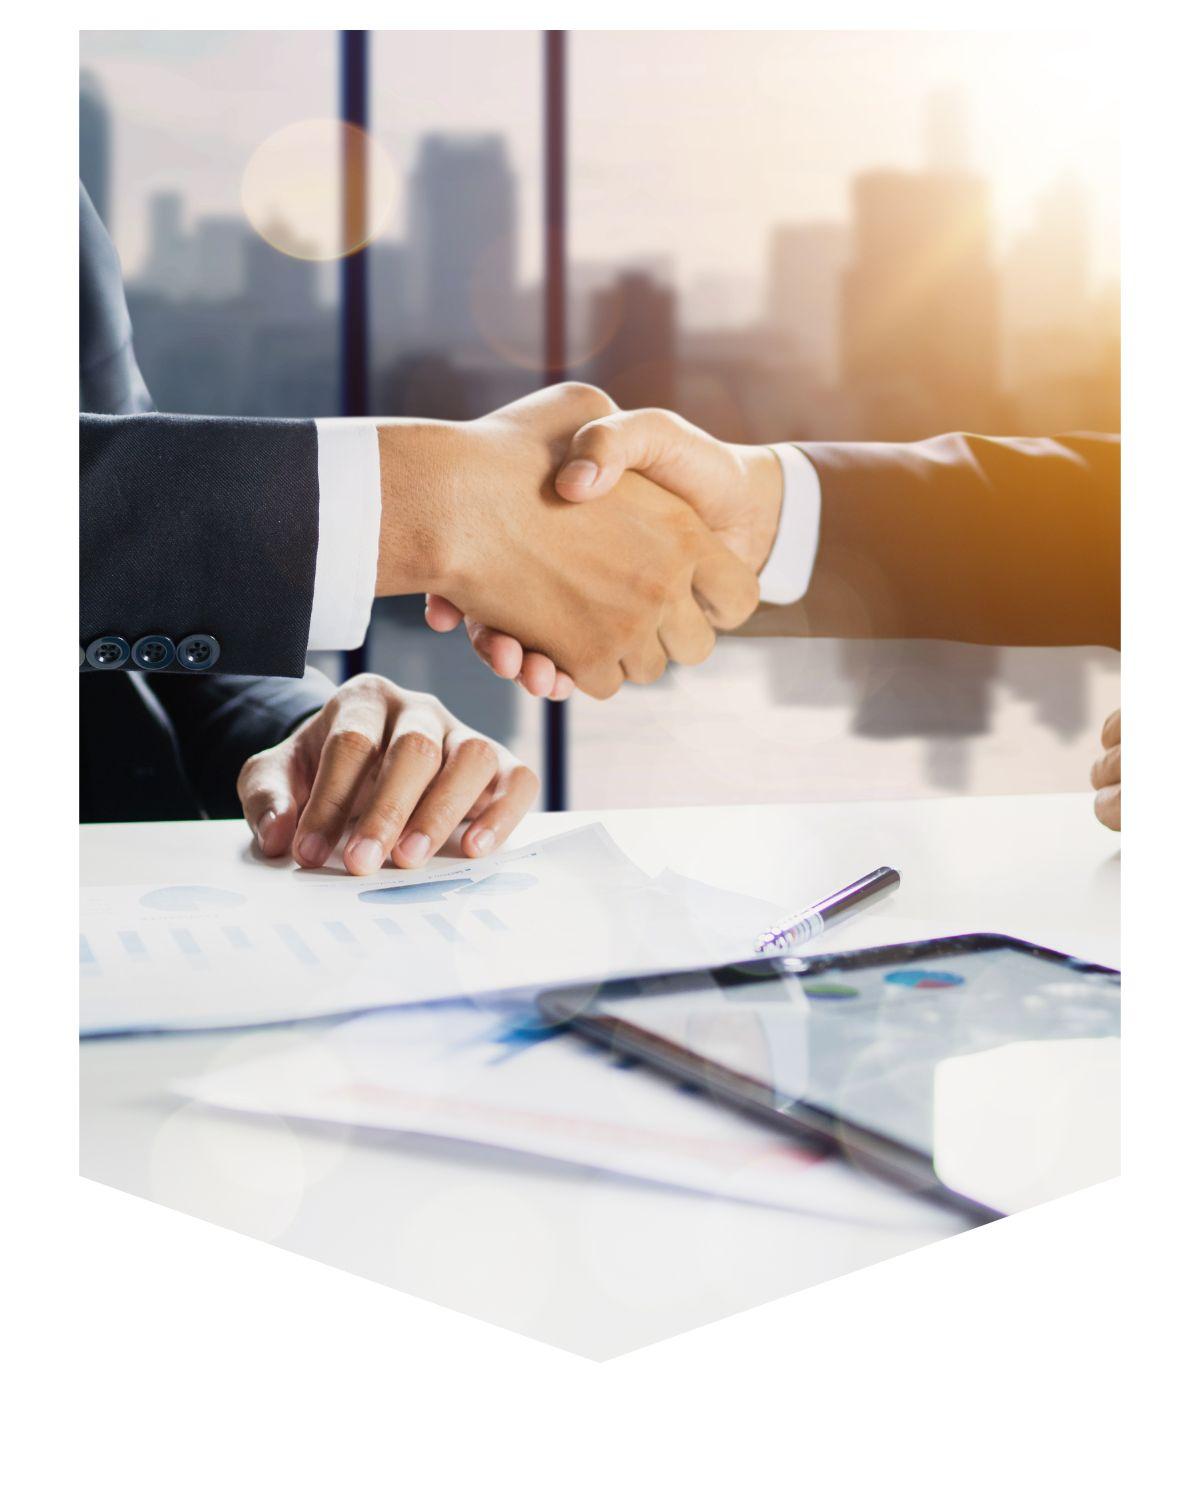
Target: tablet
<point>979,1069</point>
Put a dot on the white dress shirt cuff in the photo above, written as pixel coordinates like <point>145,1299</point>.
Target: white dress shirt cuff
<point>348,538</point>
<point>786,573</point>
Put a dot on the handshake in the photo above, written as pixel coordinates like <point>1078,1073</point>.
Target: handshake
<point>483,517</point>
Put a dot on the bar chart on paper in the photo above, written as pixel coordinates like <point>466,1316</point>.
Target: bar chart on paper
<point>187,956</point>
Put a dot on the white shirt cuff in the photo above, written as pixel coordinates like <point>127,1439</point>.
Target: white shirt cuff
<point>785,575</point>
<point>348,535</point>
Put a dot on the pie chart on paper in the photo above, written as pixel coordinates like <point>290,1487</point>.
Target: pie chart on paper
<point>924,979</point>
<point>191,898</point>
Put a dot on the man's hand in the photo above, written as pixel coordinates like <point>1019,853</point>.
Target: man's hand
<point>736,490</point>
<point>1106,774</point>
<point>398,767</point>
<point>605,592</point>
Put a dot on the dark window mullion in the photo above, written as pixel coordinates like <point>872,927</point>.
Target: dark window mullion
<point>554,318</point>
<point>355,360</point>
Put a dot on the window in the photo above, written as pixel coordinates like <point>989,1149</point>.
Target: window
<point>224,321</point>
<point>845,235</point>
<point>456,296</point>
<point>782,235</point>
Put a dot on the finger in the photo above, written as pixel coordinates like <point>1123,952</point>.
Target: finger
<point>1107,770</point>
<point>563,687</point>
<point>472,762</point>
<point>515,792</point>
<point>1108,807</point>
<point>440,614</point>
<point>645,662</point>
<point>1110,735</point>
<point>502,653</point>
<point>726,588</point>
<point>538,675</point>
<point>348,756</point>
<point>685,633</point>
<point>600,678</point>
<point>602,451</point>
<point>412,761</point>
<point>268,794</point>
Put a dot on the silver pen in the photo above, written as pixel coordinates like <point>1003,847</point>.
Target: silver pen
<point>805,925</point>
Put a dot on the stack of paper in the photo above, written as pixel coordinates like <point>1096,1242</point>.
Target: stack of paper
<point>310,944</point>
<point>499,1076</point>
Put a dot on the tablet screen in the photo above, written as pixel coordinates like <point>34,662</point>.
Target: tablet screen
<point>995,1061</point>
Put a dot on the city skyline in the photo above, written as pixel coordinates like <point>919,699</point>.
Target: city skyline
<point>754,351</point>
<point>698,174</point>
<point>436,277</point>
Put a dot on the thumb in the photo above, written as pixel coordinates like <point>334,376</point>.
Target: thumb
<point>603,450</point>
<point>268,799</point>
<point>725,588</point>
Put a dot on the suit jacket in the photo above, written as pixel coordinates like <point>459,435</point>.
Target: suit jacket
<point>997,541</point>
<point>187,525</point>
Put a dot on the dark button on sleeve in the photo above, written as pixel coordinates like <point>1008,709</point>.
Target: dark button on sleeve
<point>107,652</point>
<point>197,652</point>
<point>153,652</point>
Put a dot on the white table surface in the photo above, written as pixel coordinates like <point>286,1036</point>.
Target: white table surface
<point>590,1262</point>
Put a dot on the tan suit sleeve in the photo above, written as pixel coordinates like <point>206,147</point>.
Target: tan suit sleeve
<point>998,541</point>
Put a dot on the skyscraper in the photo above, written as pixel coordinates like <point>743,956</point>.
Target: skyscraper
<point>463,241</point>
<point>95,146</point>
<point>168,266</point>
<point>1056,364</point>
<point>221,245</point>
<point>634,332</point>
<point>804,284</point>
<point>919,304</point>
<point>281,288</point>
<point>920,298</point>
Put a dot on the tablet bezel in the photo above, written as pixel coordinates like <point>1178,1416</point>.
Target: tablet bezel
<point>573,1005</point>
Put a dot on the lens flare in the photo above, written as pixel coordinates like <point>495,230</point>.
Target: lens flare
<point>319,189</point>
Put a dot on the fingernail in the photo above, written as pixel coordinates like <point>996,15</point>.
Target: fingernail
<point>580,471</point>
<point>313,849</point>
<point>367,854</point>
<point>482,841</point>
<point>265,824</point>
<point>414,846</point>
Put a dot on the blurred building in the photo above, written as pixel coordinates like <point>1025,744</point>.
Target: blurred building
<point>804,281</point>
<point>222,243</point>
<point>462,241</point>
<point>920,305</point>
<point>282,288</point>
<point>168,266</point>
<point>390,300</point>
<point>1061,342</point>
<point>95,146</point>
<point>634,332</point>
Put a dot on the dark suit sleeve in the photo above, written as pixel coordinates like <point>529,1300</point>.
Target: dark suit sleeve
<point>220,721</point>
<point>997,541</point>
<point>200,525</point>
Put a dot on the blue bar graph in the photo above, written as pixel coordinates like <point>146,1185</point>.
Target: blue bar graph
<point>389,927</point>
<point>446,929</point>
<point>133,944</point>
<point>340,932</point>
<point>86,956</point>
<point>237,937</point>
<point>490,919</point>
<point>186,942</point>
<point>296,943</point>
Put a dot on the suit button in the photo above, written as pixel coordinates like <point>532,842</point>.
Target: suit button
<point>108,652</point>
<point>197,652</point>
<point>153,652</point>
